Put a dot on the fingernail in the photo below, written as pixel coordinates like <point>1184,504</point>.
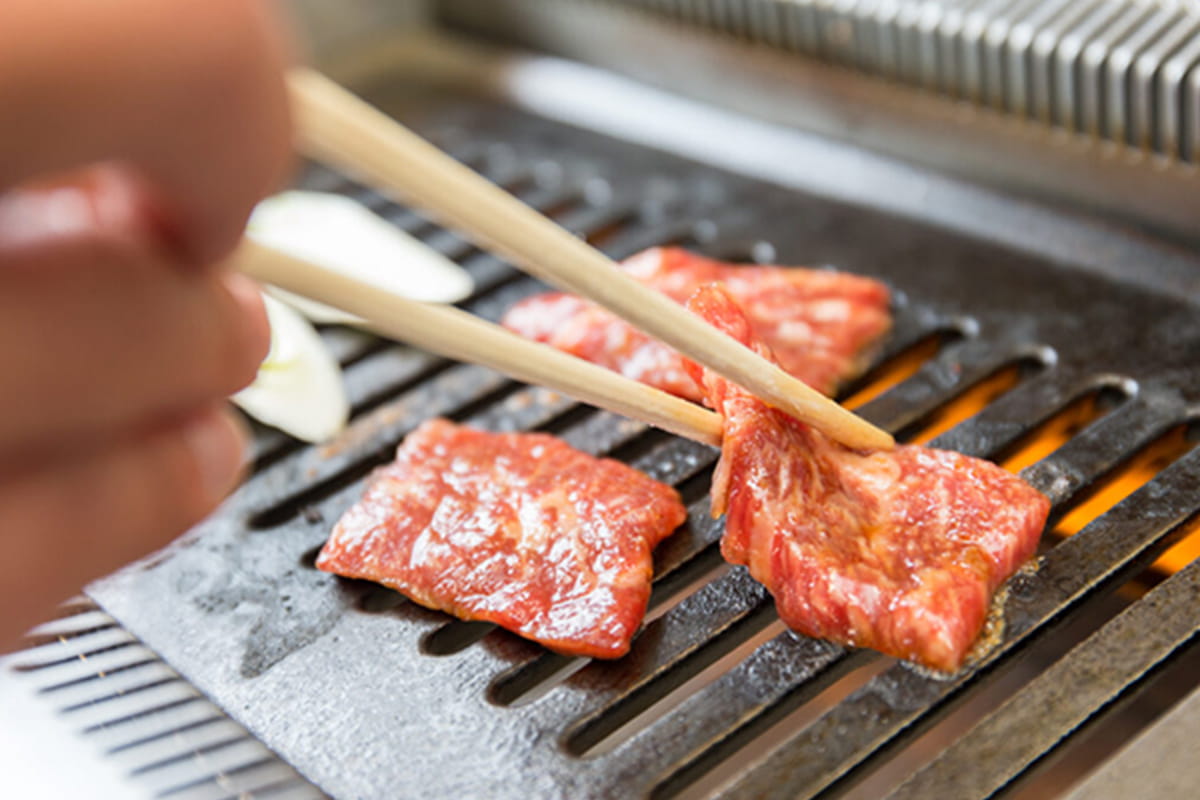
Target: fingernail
<point>86,201</point>
<point>29,216</point>
<point>219,446</point>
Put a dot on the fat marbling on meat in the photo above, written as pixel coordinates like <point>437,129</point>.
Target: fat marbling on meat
<point>898,551</point>
<point>820,324</point>
<point>519,529</point>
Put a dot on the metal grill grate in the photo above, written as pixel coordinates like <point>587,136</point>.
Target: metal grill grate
<point>137,712</point>
<point>367,694</point>
<point>370,695</point>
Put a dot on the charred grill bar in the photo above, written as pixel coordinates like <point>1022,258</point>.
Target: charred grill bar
<point>365,694</point>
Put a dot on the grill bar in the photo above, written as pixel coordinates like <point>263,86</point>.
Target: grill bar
<point>455,389</point>
<point>88,666</point>
<point>131,679</point>
<point>66,650</point>
<point>269,779</point>
<point>175,747</point>
<point>116,736</point>
<point>787,666</point>
<point>1102,447</point>
<point>1010,417</point>
<point>1063,697</point>
<point>678,638</point>
<point>954,370</point>
<point>133,704</point>
<point>224,758</point>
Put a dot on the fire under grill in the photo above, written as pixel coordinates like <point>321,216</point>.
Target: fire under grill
<point>1087,381</point>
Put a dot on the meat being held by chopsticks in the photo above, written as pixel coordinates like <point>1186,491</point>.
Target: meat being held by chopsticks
<point>898,551</point>
<point>820,324</point>
<point>518,529</point>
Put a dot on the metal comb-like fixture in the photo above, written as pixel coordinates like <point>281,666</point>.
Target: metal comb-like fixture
<point>1121,71</point>
<point>1090,104</point>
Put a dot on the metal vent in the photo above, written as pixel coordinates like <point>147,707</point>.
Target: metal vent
<point>368,695</point>
<point>1119,71</point>
<point>159,732</point>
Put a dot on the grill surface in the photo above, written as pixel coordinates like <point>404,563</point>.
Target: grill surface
<point>368,695</point>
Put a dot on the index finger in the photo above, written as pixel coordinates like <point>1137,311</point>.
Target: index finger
<point>190,94</point>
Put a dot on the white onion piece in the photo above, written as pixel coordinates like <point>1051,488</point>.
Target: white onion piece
<point>299,386</point>
<point>339,233</point>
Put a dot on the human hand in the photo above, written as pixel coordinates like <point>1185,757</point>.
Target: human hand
<point>138,136</point>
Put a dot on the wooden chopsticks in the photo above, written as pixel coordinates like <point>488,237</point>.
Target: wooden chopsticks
<point>455,334</point>
<point>338,128</point>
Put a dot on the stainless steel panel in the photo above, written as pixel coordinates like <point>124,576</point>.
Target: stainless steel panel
<point>1086,65</point>
<point>972,83</point>
<point>1020,56</point>
<point>1191,117</point>
<point>886,58</point>
<point>1093,67</point>
<point>1175,96</point>
<point>1065,101</point>
<point>1144,74</point>
<point>1046,44</point>
<point>801,25</point>
<point>1117,120</point>
<point>949,32</point>
<point>995,43</point>
<point>914,60</point>
<point>929,42</point>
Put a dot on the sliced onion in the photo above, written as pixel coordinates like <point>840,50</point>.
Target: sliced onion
<point>299,386</point>
<point>341,234</point>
